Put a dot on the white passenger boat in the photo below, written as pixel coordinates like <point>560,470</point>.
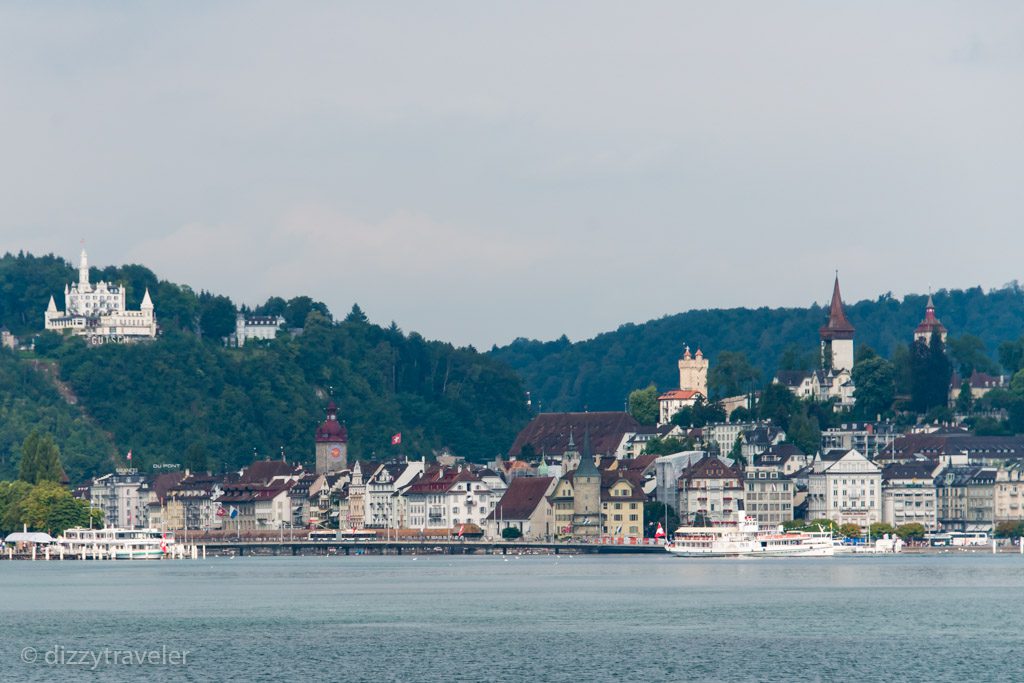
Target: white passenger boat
<point>744,538</point>
<point>114,543</point>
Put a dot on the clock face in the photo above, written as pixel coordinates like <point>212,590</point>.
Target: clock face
<point>335,452</point>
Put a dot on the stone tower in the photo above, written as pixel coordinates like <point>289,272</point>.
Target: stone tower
<point>693,372</point>
<point>586,495</point>
<point>837,336</point>
<point>331,443</point>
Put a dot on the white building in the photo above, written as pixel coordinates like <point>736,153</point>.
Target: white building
<point>99,312</point>
<point>845,487</point>
<point>448,498</point>
<point>121,497</point>
<point>248,328</point>
<point>383,509</point>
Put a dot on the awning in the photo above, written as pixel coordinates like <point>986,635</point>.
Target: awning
<point>29,537</point>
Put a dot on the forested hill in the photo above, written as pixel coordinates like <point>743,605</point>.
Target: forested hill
<point>187,399</point>
<point>599,373</point>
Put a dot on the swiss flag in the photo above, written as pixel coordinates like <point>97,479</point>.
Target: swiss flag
<point>396,439</point>
<point>660,533</point>
<point>129,456</point>
<point>461,529</point>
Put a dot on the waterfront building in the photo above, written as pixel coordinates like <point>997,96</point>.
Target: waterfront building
<point>622,503</point>
<point>667,469</point>
<point>909,495</point>
<point>122,496</point>
<point>98,311</point>
<point>524,506</point>
<point>966,498</point>
<point>710,489</point>
<point>768,495</point>
<point>846,487</point>
<point>449,498</point>
<point>331,440</point>
<point>1008,493</point>
<point>382,501</point>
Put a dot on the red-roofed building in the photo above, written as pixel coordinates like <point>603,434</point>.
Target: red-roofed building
<point>525,506</point>
<point>448,498</point>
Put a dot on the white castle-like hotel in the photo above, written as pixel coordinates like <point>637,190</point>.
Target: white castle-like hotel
<point>98,312</point>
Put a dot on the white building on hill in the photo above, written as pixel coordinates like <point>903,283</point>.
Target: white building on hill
<point>98,312</point>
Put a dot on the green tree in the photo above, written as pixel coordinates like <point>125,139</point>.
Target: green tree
<point>699,414</point>
<point>911,532</point>
<point>12,497</point>
<point>356,315</point>
<point>732,374</point>
<point>299,308</point>
<point>879,529</point>
<point>51,508</point>
<point>40,459</point>
<point>216,316</point>
<point>736,452</point>
<point>875,381</point>
<point>793,358</point>
<point>930,370</point>
<point>47,342</point>
<point>968,354</point>
<point>777,404</point>
<point>196,457</point>
<point>804,432</point>
<point>850,530</point>
<point>511,533</point>
<point>1011,356</point>
<point>643,405</point>
<point>965,399</point>
<point>667,446</point>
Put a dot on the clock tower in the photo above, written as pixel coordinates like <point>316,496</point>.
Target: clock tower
<point>331,443</point>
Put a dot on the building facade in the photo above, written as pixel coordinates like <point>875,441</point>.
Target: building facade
<point>846,487</point>
<point>99,311</point>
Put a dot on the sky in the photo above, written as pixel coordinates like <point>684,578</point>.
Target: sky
<point>484,171</point>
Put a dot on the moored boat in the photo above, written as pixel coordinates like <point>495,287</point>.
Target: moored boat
<point>115,543</point>
<point>744,538</point>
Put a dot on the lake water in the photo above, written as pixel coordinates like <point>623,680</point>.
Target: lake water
<point>580,619</point>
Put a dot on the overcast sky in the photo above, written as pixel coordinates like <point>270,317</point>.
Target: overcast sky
<point>479,171</point>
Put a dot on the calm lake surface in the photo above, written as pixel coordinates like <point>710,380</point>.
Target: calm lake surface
<point>580,619</point>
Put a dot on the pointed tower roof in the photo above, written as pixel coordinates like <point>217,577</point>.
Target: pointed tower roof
<point>587,467</point>
<point>146,301</point>
<point>930,325</point>
<point>838,326</point>
<point>52,306</point>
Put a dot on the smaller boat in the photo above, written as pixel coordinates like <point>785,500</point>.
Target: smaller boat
<point>115,543</point>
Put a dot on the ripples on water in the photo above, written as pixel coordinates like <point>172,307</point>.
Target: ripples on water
<point>578,619</point>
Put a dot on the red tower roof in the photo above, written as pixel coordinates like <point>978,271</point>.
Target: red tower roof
<point>838,327</point>
<point>331,430</point>
<point>930,325</point>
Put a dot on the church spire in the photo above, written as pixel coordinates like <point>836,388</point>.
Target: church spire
<point>83,269</point>
<point>838,326</point>
<point>147,303</point>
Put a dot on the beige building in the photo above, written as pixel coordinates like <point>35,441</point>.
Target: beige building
<point>525,507</point>
<point>622,503</point>
<point>908,494</point>
<point>768,496</point>
<point>1009,494</point>
<point>711,488</point>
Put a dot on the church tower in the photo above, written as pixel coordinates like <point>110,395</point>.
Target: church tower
<point>837,336</point>
<point>693,372</point>
<point>331,443</point>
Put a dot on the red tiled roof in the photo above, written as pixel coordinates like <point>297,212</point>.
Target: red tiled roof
<point>331,430</point>
<point>521,498</point>
<point>680,395</point>
<point>837,327</point>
